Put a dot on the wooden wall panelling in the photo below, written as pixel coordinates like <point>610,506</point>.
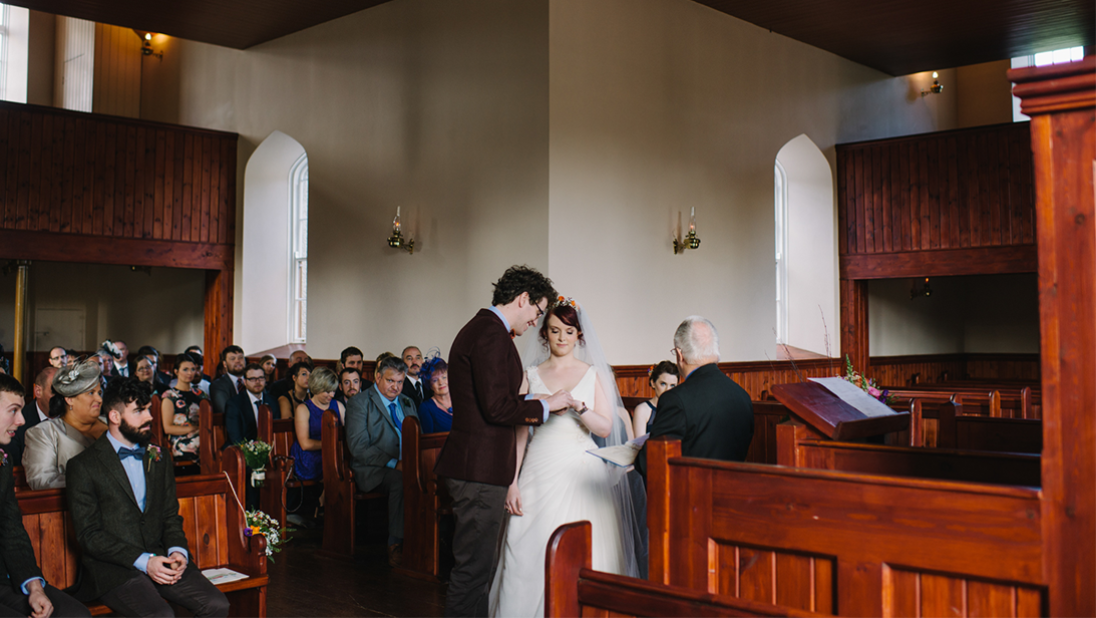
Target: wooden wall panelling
<point>1061,100</point>
<point>854,322</point>
<point>218,310</point>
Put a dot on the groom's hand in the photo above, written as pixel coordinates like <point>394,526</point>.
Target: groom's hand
<point>560,402</point>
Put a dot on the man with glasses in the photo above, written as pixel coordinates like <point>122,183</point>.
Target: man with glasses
<point>58,357</point>
<point>242,410</point>
<point>478,460</point>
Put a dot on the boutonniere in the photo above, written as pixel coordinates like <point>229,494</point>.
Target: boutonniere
<point>154,454</point>
<point>5,459</point>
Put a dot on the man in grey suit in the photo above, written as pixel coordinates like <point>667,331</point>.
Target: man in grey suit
<point>231,383</point>
<point>374,435</point>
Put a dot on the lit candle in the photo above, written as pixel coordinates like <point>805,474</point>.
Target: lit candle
<point>396,221</point>
<point>692,220</point>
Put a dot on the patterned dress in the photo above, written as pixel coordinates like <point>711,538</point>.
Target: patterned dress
<point>187,405</point>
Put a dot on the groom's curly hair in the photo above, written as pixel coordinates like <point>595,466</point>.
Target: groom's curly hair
<point>519,279</point>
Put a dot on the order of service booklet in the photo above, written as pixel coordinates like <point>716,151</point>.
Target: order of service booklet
<point>223,576</point>
<point>622,455</point>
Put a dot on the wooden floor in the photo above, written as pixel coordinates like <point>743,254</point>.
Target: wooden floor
<point>304,583</point>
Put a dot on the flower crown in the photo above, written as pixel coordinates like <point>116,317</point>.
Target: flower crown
<point>561,301</point>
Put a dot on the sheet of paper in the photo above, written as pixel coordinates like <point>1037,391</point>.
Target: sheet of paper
<point>622,455</point>
<point>854,396</point>
<point>222,576</point>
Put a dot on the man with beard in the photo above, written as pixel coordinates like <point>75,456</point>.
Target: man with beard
<point>414,387</point>
<point>121,495</point>
<point>232,382</point>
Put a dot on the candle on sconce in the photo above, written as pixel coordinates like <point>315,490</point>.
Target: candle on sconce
<point>692,219</point>
<point>396,221</point>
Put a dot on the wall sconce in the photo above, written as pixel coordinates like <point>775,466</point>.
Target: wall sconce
<point>146,44</point>
<point>691,241</point>
<point>396,240</point>
<point>924,291</point>
<point>936,87</point>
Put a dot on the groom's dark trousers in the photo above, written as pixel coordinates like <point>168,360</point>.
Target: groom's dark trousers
<point>478,459</point>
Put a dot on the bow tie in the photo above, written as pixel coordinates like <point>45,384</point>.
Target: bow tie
<point>136,453</point>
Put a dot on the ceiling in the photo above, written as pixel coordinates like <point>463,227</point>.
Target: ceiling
<point>895,36</point>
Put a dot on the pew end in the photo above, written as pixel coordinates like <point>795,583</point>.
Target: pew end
<point>425,502</point>
<point>341,493</point>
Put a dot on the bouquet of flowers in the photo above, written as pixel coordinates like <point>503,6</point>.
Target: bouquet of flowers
<point>259,522</point>
<point>256,455</point>
<point>868,385</point>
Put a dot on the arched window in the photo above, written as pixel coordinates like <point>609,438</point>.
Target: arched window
<point>780,192</point>
<point>298,186</point>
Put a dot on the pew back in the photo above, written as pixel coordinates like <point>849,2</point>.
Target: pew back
<point>850,544</point>
<point>340,491</point>
<point>213,435</point>
<point>280,434</point>
<point>423,500</point>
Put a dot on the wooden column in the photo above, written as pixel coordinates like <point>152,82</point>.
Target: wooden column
<point>19,343</point>
<point>218,314</point>
<point>854,324</point>
<point>1061,101</point>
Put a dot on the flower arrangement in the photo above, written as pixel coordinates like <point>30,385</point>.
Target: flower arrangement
<point>259,522</point>
<point>256,455</point>
<point>867,384</point>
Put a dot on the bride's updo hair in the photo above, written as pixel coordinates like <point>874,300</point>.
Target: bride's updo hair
<point>566,314</point>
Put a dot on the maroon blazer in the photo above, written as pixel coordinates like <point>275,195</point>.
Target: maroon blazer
<point>484,379</point>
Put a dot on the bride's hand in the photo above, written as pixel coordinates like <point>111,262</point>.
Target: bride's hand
<point>513,500</point>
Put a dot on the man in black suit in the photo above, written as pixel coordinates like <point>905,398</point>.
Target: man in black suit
<point>43,391</point>
<point>242,411</point>
<point>708,412</point>
<point>121,495</point>
<point>232,382</point>
<point>413,386</point>
<point>23,590</point>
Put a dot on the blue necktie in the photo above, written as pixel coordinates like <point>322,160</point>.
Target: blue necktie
<point>393,409</point>
<point>136,453</point>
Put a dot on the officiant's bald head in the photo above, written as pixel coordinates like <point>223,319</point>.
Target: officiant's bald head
<point>697,342</point>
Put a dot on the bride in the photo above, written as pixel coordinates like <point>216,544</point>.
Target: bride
<point>557,480</point>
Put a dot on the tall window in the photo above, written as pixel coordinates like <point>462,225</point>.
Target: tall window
<point>4,21</point>
<point>1058,56</point>
<point>298,270</point>
<point>781,200</point>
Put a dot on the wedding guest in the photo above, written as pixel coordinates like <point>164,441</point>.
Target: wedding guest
<point>709,412</point>
<point>283,386</point>
<point>296,396</point>
<point>269,365</point>
<point>662,378</point>
<point>308,422</point>
<point>120,354</point>
<point>39,412</point>
<point>351,357</point>
<point>232,382</point>
<point>74,426</point>
<point>413,385</point>
<point>158,377</point>
<point>436,413</point>
<point>350,384</point>
<point>58,357</point>
<point>179,410</point>
<point>201,380</point>
<point>145,371</point>
<point>106,367</point>
<point>374,428</point>
<point>125,513</point>
<point>23,590</point>
<point>242,411</point>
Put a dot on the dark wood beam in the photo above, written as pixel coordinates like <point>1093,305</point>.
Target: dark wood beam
<point>941,263</point>
<point>83,249</point>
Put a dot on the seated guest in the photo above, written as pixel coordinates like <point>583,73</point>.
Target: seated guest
<point>308,421</point>
<point>120,354</point>
<point>269,365</point>
<point>197,353</point>
<point>299,375</point>
<point>106,367</point>
<point>283,386</point>
<point>23,590</point>
<point>179,410</point>
<point>58,357</point>
<point>153,356</point>
<point>242,411</point>
<point>374,424</point>
<point>709,412</point>
<point>662,378</point>
<point>351,357</point>
<point>436,413</point>
<point>39,412</point>
<point>232,382</point>
<point>145,371</point>
<point>121,496</point>
<point>350,384</point>
<point>74,425</point>
<point>413,386</point>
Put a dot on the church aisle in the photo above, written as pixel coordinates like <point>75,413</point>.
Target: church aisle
<point>305,583</point>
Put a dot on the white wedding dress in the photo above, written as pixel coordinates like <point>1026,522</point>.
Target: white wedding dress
<point>560,483</point>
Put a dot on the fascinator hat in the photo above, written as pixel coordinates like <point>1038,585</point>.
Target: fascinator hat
<point>77,378</point>
<point>434,362</point>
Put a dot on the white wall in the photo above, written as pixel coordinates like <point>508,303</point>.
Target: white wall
<point>16,49</point>
<point>266,231</point>
<point>660,105</point>
<point>813,318</point>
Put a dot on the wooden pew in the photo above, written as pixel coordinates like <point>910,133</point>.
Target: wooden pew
<point>945,426</point>
<point>341,493</point>
<point>801,447</point>
<point>280,434</point>
<point>425,501</point>
<point>850,544</point>
<point>213,435</point>
<point>767,415</point>
<point>212,521</point>
<point>573,588</point>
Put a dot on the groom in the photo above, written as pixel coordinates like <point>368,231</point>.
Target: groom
<point>478,460</point>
